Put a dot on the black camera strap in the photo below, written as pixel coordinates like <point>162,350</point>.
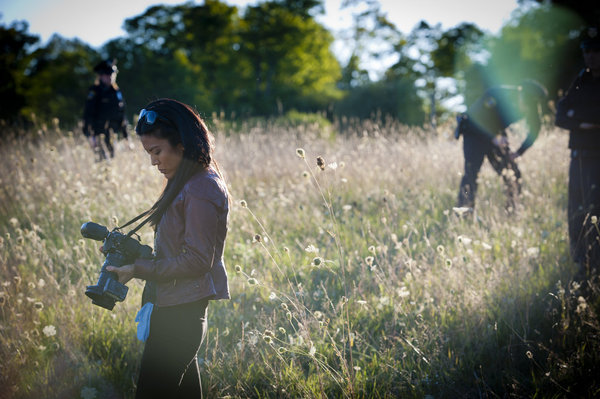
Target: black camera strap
<point>135,219</point>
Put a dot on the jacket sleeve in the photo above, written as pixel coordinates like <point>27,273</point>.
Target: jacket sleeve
<point>534,125</point>
<point>199,246</point>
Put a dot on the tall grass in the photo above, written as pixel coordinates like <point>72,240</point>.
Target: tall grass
<point>351,278</point>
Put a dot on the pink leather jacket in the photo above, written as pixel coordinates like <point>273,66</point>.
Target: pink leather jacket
<point>189,243</point>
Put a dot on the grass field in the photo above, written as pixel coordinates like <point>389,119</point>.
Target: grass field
<point>356,279</point>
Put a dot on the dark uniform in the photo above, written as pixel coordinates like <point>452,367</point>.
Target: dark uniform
<point>104,111</point>
<point>483,127</point>
<point>581,107</point>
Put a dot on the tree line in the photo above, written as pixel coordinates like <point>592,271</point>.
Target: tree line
<point>275,57</point>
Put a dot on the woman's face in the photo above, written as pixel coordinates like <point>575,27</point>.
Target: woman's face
<point>162,154</point>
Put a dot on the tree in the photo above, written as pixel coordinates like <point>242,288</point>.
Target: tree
<point>58,78</point>
<point>290,59</point>
<point>15,44</point>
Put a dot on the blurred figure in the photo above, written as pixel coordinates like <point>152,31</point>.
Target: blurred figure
<point>104,111</point>
<point>483,128</point>
<point>579,112</point>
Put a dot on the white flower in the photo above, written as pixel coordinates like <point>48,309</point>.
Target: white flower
<point>49,331</point>
<point>533,252</point>
<point>311,248</point>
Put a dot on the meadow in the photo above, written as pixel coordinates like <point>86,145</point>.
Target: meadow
<point>352,274</point>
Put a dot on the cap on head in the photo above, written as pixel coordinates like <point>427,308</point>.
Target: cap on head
<point>106,67</point>
<point>590,39</point>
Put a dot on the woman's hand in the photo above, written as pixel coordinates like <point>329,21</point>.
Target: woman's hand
<point>125,273</point>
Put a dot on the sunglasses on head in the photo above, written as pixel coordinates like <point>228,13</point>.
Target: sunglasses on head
<point>150,117</point>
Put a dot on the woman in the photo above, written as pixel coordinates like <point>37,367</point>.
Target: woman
<point>190,222</point>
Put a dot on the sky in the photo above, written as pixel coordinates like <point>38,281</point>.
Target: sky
<point>96,22</point>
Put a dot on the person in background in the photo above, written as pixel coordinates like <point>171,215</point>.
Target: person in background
<point>579,112</point>
<point>190,220</point>
<point>484,130</point>
<point>104,111</point>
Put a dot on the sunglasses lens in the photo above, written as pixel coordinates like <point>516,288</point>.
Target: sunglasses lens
<point>149,116</point>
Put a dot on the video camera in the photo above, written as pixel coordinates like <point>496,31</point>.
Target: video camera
<point>120,250</point>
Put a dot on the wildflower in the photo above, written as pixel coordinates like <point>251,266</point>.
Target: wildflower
<point>38,306</point>
<point>282,330</point>
<point>312,350</point>
<point>41,283</point>
<point>311,248</point>
<point>115,220</point>
<point>369,260</point>
<point>486,246</point>
<point>317,261</point>
<point>268,339</point>
<point>286,249</point>
<point>284,306</point>
<point>321,162</point>
<point>581,305</point>
<point>49,331</point>
<point>403,292</point>
<point>281,350</point>
<point>257,238</point>
<point>269,333</point>
<point>372,249</point>
<point>461,210</point>
<point>17,280</point>
<point>318,314</point>
<point>533,252</point>
<point>238,269</point>
<point>252,281</point>
<point>464,240</point>
<point>333,166</point>
<point>440,249</point>
<point>361,302</point>
<point>529,355</point>
<point>594,219</point>
<point>448,262</point>
<point>243,204</point>
<point>288,315</point>
<point>14,222</point>
<point>300,152</point>
<point>346,208</point>
<point>357,368</point>
<point>272,296</point>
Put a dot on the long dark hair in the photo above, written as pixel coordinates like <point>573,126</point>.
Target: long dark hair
<point>179,124</point>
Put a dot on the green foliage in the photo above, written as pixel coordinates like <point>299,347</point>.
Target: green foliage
<point>15,44</point>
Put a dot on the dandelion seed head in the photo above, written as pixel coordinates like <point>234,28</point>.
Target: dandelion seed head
<point>369,260</point>
<point>41,283</point>
<point>372,249</point>
<point>14,222</point>
<point>300,152</point>
<point>243,204</point>
<point>286,249</point>
<point>238,268</point>
<point>272,296</point>
<point>594,219</point>
<point>440,249</point>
